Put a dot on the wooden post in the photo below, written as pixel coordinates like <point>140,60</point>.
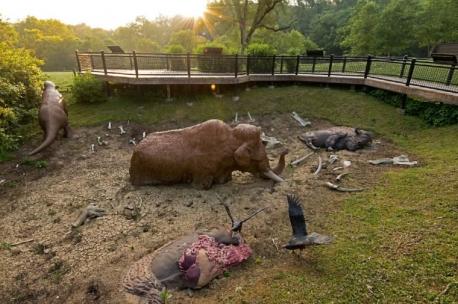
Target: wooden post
<point>104,63</point>
<point>368,66</point>
<point>450,75</point>
<point>273,65</point>
<point>298,62</point>
<point>236,68</point>
<point>78,61</point>
<point>331,59</point>
<point>188,63</point>
<point>135,63</point>
<point>412,67</point>
<point>248,65</point>
<point>344,64</point>
<point>403,66</point>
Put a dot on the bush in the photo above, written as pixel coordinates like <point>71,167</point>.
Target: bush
<point>258,64</point>
<point>87,88</point>
<point>20,87</point>
<point>434,114</point>
<point>176,63</point>
<point>214,63</point>
<point>291,62</point>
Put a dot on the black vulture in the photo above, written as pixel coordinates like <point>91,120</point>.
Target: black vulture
<point>301,238</point>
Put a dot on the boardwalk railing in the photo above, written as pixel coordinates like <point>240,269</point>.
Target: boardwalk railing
<point>404,70</point>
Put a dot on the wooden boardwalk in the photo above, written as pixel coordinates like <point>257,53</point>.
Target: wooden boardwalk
<point>423,90</point>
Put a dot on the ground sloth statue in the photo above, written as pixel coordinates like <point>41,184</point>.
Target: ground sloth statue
<point>337,138</point>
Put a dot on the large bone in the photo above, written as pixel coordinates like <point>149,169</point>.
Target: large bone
<point>90,212</point>
<point>299,119</point>
<point>398,160</point>
<point>320,165</point>
<point>300,160</point>
<point>342,189</point>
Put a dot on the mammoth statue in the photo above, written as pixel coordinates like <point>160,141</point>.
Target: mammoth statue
<point>203,154</point>
<point>337,138</point>
<point>52,116</point>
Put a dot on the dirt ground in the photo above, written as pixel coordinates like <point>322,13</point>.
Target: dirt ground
<point>86,265</point>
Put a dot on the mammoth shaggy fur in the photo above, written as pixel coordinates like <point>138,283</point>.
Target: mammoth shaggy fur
<point>203,154</point>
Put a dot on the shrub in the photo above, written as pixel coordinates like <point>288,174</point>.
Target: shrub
<point>291,62</point>
<point>20,86</point>
<point>214,63</point>
<point>258,64</point>
<point>87,88</point>
<point>176,63</point>
<point>434,114</point>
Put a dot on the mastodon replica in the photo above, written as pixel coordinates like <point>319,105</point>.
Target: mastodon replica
<point>203,154</point>
<point>337,138</point>
<point>52,116</point>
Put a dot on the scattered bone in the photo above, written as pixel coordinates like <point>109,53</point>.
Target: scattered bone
<point>121,130</point>
<point>300,160</point>
<point>342,189</point>
<point>101,142</point>
<point>235,98</point>
<point>92,148</point>
<point>332,159</point>
<point>2,181</point>
<point>320,165</point>
<point>250,118</point>
<point>236,119</point>
<point>143,135</point>
<point>302,122</point>
<point>398,160</point>
<point>22,242</point>
<point>274,241</point>
<point>337,168</point>
<point>339,177</point>
<point>346,163</point>
<point>132,141</point>
<point>109,125</point>
<point>271,142</point>
<point>90,212</point>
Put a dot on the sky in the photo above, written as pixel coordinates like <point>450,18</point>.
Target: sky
<point>107,14</point>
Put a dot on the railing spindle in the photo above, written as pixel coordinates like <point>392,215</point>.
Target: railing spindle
<point>236,68</point>
<point>450,75</point>
<point>104,63</point>
<point>403,66</point>
<point>368,66</point>
<point>344,64</point>
<point>273,65</point>
<point>331,59</point>
<point>188,64</point>
<point>313,64</point>
<point>412,67</point>
<point>248,65</point>
<point>135,63</point>
<point>281,64</point>
<point>298,62</point>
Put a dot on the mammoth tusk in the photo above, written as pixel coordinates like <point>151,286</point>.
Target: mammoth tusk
<point>270,174</point>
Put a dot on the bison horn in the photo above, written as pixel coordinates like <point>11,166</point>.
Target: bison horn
<point>270,174</point>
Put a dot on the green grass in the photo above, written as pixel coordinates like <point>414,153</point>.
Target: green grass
<point>396,243</point>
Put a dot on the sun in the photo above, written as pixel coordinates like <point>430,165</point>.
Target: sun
<point>194,9</point>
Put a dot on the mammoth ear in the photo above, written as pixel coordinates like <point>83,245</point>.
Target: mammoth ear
<point>242,156</point>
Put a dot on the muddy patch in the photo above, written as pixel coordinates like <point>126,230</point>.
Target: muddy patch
<point>86,264</point>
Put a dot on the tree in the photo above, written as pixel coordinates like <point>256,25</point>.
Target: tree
<point>252,16</point>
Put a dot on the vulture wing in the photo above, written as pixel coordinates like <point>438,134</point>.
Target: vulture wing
<point>296,216</point>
